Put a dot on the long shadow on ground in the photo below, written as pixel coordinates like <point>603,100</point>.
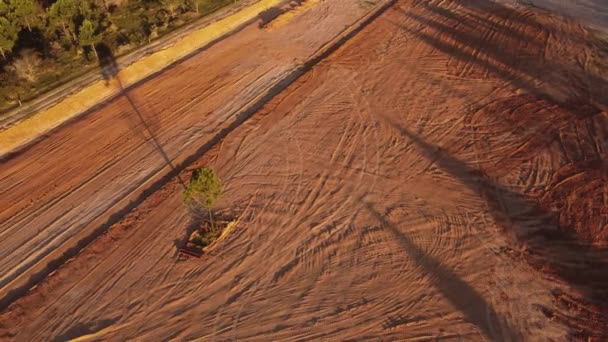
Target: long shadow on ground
<point>579,264</point>
<point>563,88</point>
<point>460,294</point>
<point>511,46</point>
<point>109,70</point>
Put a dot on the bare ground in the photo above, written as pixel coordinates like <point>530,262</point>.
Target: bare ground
<point>442,175</point>
<point>62,186</point>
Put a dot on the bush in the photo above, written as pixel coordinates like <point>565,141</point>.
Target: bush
<point>27,65</point>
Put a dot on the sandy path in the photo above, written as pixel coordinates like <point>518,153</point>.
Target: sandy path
<point>394,192</point>
<point>55,188</point>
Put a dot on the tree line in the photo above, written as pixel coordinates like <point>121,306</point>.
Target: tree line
<point>84,23</point>
<point>50,38</point>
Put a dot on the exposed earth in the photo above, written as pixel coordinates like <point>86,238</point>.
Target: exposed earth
<point>442,175</point>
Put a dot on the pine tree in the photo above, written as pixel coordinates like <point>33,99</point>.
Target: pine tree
<point>8,35</point>
<point>62,14</point>
<point>25,12</point>
<point>87,36</point>
<point>204,190</point>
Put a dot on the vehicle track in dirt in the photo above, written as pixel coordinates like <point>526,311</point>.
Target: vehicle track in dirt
<point>404,188</point>
<point>175,114</point>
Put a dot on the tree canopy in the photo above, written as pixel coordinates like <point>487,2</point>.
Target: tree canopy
<point>8,36</point>
<point>87,35</point>
<point>62,14</point>
<point>26,12</point>
<point>205,188</point>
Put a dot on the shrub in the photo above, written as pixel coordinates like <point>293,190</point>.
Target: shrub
<point>27,65</point>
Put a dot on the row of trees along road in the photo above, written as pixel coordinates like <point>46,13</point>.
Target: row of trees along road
<point>43,42</point>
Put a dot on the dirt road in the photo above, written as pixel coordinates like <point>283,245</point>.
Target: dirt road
<point>441,176</point>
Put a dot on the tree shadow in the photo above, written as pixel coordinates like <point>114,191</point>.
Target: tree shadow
<point>511,46</point>
<point>182,243</point>
<point>548,246</point>
<point>84,329</point>
<point>482,33</point>
<point>267,16</point>
<point>107,62</point>
<point>109,70</point>
<point>459,293</point>
<point>32,39</point>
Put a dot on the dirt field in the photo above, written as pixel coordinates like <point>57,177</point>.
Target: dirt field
<point>591,12</point>
<point>59,187</point>
<point>442,176</point>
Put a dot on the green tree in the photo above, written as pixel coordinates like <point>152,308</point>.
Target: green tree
<point>87,35</point>
<point>26,12</point>
<point>204,189</point>
<point>8,35</point>
<point>62,14</point>
<point>3,9</point>
<point>132,24</point>
<point>173,7</point>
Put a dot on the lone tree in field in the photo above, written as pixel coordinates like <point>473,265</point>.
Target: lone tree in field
<point>204,189</point>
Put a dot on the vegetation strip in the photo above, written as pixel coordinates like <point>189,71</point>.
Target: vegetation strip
<point>20,285</point>
<point>15,137</point>
<point>44,44</point>
<point>46,98</point>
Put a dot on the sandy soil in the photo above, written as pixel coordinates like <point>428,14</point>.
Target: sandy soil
<point>591,12</point>
<point>56,188</point>
<point>442,175</point>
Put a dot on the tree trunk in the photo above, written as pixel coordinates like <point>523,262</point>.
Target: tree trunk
<point>27,23</point>
<point>94,51</point>
<point>211,219</point>
<point>2,53</point>
<point>66,31</point>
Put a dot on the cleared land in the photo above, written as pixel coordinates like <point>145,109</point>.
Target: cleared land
<point>66,184</point>
<point>442,175</point>
<point>82,100</point>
